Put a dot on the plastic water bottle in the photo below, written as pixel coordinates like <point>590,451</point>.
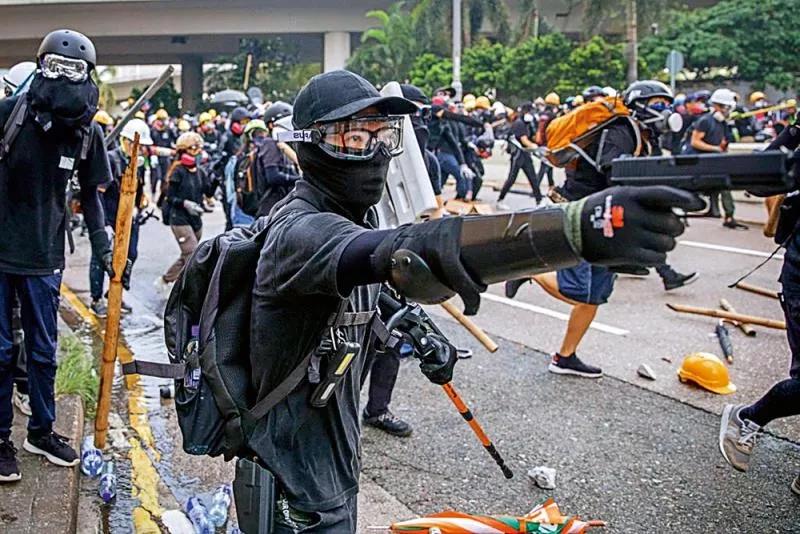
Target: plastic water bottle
<point>220,502</point>
<point>91,458</point>
<point>198,515</point>
<point>108,482</point>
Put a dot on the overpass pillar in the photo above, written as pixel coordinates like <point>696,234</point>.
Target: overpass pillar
<point>336,50</point>
<point>191,82</point>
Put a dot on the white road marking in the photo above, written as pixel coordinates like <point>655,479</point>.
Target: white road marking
<point>735,250</point>
<point>608,329</point>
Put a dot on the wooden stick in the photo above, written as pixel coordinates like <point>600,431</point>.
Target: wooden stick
<point>122,237</point>
<point>744,327</point>
<point>247,68</point>
<point>757,290</point>
<point>719,314</point>
<point>773,205</point>
<point>467,323</point>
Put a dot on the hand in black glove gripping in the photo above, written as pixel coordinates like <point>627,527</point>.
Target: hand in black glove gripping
<point>101,248</point>
<point>633,225</point>
<point>438,244</point>
<point>437,359</point>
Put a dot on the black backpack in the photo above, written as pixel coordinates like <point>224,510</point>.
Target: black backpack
<point>245,182</point>
<point>213,297</point>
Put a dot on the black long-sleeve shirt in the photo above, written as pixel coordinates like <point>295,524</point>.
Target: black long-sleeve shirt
<point>187,185</point>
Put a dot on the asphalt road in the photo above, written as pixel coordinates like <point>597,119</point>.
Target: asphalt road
<point>641,455</point>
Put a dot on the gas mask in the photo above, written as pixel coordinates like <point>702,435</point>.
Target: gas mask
<point>719,116</point>
<point>61,104</point>
<point>659,117</point>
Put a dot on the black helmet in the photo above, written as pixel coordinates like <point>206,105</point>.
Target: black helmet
<point>239,114</point>
<point>68,43</point>
<point>644,90</point>
<point>593,91</point>
<point>277,110</point>
<point>415,94</point>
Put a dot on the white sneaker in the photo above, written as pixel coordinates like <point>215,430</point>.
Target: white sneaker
<point>22,402</point>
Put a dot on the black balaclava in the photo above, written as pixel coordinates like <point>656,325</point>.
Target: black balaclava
<point>61,105</point>
<point>355,185</point>
<point>420,132</point>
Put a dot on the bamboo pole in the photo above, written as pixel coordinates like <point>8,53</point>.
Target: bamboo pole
<point>773,205</point>
<point>122,237</point>
<point>719,314</point>
<point>744,327</point>
<point>247,67</point>
<point>758,290</point>
<point>467,323</point>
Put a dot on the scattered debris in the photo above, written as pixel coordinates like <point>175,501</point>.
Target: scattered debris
<point>115,421</point>
<point>719,314</point>
<point>118,439</point>
<point>177,522</point>
<point>725,341</point>
<point>543,476</point>
<point>666,359</point>
<point>645,371</point>
<point>763,291</point>
<point>167,391</point>
<point>744,327</point>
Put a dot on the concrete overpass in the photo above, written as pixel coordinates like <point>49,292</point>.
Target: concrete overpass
<point>188,32</point>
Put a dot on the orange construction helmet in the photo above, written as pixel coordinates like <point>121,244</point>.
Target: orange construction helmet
<point>707,371</point>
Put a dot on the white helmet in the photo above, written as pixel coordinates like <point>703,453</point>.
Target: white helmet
<point>134,126</point>
<point>723,97</point>
<point>17,75</point>
<point>609,91</point>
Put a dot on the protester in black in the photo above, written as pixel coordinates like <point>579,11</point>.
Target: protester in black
<point>163,137</point>
<point>184,188</point>
<point>271,167</point>
<point>519,141</point>
<point>55,139</point>
<point>321,259</point>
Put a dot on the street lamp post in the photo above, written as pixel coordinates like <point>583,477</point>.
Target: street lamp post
<point>457,48</point>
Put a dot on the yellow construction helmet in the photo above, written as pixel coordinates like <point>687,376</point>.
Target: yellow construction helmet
<point>204,117</point>
<point>707,371</point>
<point>552,99</point>
<point>189,140</point>
<point>162,114</point>
<point>755,96</point>
<point>101,117</point>
<point>213,113</point>
<point>140,115</point>
<point>482,102</point>
<point>184,126</point>
<point>578,100</point>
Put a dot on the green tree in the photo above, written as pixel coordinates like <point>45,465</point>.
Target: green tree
<point>431,71</point>
<point>535,67</point>
<point>481,67</point>
<point>596,62</point>
<point>750,40</point>
<point>167,97</point>
<point>108,96</point>
<point>388,51</point>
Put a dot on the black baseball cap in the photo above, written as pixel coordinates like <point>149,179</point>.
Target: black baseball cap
<point>340,94</point>
<point>415,94</point>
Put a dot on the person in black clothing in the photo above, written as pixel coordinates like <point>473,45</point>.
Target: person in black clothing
<point>549,112</point>
<point>444,141</point>
<point>182,207</point>
<point>164,137</point>
<point>230,145</point>
<point>322,263</point>
<point>420,120</point>
<point>741,424</point>
<point>518,142</point>
<point>109,194</point>
<point>48,136</point>
<point>272,166</point>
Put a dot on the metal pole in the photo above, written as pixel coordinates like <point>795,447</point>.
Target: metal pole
<point>457,48</point>
<point>153,89</point>
<point>633,52</point>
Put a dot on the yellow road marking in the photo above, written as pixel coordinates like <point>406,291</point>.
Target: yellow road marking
<point>144,475</point>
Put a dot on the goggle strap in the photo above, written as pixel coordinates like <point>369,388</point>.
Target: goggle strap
<point>298,136</point>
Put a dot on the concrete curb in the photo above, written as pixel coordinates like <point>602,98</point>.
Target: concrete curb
<point>46,499</point>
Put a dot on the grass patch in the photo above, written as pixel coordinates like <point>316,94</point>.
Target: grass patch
<point>76,373</point>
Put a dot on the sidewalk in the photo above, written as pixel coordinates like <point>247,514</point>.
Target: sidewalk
<point>46,499</point>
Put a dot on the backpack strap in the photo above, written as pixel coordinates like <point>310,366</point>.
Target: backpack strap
<point>156,369</point>
<point>13,125</point>
<point>297,375</point>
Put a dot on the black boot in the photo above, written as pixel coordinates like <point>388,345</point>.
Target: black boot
<point>673,279</point>
<point>512,286</point>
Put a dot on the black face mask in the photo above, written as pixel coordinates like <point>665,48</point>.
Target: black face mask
<point>61,105</point>
<point>421,132</point>
<point>355,185</point>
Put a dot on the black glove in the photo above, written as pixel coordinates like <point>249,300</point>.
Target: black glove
<point>633,225</point>
<point>126,275</point>
<point>438,243</point>
<point>437,359</point>
<point>101,248</point>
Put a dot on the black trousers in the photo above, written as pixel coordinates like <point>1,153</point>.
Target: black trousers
<point>521,160</point>
<point>383,376</point>
<point>546,170</point>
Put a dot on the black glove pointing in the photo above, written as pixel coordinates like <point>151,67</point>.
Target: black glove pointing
<point>633,225</point>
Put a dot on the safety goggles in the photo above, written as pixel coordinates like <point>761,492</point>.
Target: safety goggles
<point>54,66</point>
<point>353,139</point>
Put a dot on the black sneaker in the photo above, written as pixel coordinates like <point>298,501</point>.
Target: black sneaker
<point>674,280</point>
<point>9,469</point>
<point>731,223</point>
<point>389,423</point>
<point>53,447</point>
<point>512,286</point>
<point>125,308</point>
<point>572,365</point>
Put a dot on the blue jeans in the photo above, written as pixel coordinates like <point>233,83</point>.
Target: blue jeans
<point>449,166</point>
<point>39,296</point>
